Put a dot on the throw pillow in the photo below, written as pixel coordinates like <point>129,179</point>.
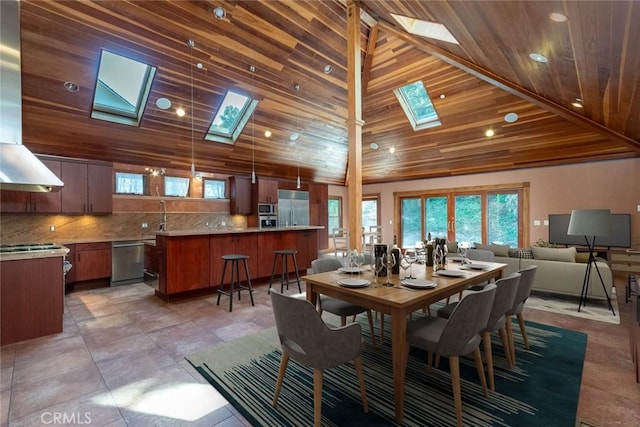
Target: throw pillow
<point>498,250</point>
<point>584,256</point>
<point>520,253</point>
<point>554,254</point>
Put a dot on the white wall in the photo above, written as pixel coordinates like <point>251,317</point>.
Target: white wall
<point>613,185</point>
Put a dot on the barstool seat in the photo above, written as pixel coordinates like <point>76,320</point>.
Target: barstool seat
<point>235,278</point>
<point>284,254</point>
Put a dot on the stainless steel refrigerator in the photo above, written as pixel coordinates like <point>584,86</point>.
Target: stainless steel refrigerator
<point>293,208</point>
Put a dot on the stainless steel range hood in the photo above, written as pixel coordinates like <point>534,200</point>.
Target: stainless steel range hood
<point>19,169</point>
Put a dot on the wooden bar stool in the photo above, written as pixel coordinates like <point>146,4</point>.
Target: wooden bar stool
<point>284,275</point>
<point>235,278</point>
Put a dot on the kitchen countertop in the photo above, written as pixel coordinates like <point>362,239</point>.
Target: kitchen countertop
<point>11,256</point>
<point>204,232</point>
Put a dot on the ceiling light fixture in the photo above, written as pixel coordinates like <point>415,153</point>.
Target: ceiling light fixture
<point>267,133</point>
<point>294,136</point>
<point>327,69</point>
<point>252,68</point>
<point>510,117</point>
<point>577,103</point>
<point>180,112</point>
<point>392,150</point>
<point>298,182</point>
<point>489,133</point>
<point>538,58</point>
<point>163,103</point>
<point>558,17</point>
<point>71,86</point>
<point>374,146</point>
<point>191,45</point>
<point>219,12</point>
<point>296,87</point>
<point>443,96</point>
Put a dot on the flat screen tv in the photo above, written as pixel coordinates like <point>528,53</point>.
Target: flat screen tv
<point>620,237</point>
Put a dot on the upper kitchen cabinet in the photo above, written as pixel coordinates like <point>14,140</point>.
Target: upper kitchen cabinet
<point>23,201</point>
<point>265,191</point>
<point>240,195</point>
<point>88,188</point>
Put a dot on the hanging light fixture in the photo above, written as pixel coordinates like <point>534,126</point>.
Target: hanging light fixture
<point>252,68</point>
<point>191,45</point>
<point>298,182</point>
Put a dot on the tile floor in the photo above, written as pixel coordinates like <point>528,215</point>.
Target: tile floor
<point>120,362</point>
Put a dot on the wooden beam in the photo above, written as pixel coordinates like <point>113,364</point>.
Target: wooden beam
<point>368,58</point>
<point>354,125</point>
<point>509,87</point>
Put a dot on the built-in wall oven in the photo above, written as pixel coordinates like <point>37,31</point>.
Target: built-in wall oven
<point>268,221</point>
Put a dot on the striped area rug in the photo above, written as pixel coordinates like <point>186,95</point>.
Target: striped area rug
<point>543,389</point>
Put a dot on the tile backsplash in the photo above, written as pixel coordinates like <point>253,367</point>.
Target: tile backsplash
<point>21,228</point>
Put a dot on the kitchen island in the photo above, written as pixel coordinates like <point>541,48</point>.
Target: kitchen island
<point>189,261</point>
<point>31,291</point>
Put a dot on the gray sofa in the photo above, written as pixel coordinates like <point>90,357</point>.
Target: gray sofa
<point>559,273</point>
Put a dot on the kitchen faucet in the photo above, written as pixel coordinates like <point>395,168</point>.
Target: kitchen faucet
<point>163,223</point>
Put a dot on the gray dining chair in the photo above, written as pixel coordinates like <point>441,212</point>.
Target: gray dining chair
<point>524,290</point>
<point>336,306</point>
<point>456,336</point>
<point>305,338</point>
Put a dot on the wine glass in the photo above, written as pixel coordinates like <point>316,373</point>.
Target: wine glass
<point>437,258</point>
<point>462,253</point>
<point>389,263</point>
<point>411,257</point>
<point>405,264</point>
<point>378,265</point>
<point>358,259</point>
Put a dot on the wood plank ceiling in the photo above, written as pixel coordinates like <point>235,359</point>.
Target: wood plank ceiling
<point>592,56</point>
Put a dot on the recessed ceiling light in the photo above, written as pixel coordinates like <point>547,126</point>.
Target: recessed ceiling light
<point>443,96</point>
<point>252,68</point>
<point>267,133</point>
<point>180,112</point>
<point>71,86</point>
<point>510,117</point>
<point>374,146</point>
<point>163,103</point>
<point>327,69</point>
<point>199,65</point>
<point>558,17</point>
<point>296,87</point>
<point>392,150</point>
<point>294,136</point>
<point>219,12</point>
<point>577,103</point>
<point>538,58</point>
<point>489,133</point>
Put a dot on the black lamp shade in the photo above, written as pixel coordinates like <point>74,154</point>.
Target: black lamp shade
<point>590,222</point>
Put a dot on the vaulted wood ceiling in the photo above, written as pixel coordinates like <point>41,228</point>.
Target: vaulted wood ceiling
<point>593,56</point>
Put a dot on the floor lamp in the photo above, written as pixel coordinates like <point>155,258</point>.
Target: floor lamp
<point>590,223</point>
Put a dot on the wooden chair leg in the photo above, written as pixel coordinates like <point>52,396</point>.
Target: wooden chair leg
<point>488,355</point>
<point>317,397</point>
<point>512,349</point>
<point>506,346</point>
<point>363,392</point>
<point>454,363</point>
<point>373,335</point>
<point>382,327</point>
<point>478,358</point>
<point>284,360</point>
<point>523,330</point>
<point>343,320</point>
<point>430,361</point>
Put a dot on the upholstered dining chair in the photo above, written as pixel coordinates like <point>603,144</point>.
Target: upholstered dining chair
<point>524,290</point>
<point>305,338</point>
<point>506,289</point>
<point>476,255</point>
<point>337,306</point>
<point>456,336</point>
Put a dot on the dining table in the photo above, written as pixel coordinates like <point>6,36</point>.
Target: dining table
<point>358,286</point>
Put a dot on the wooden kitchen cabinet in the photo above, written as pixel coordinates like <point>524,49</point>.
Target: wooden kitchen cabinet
<point>183,263</point>
<point>88,188</point>
<point>227,244</point>
<point>240,195</point>
<point>319,212</point>
<point>265,191</point>
<point>307,246</point>
<point>90,261</point>
<point>24,201</point>
<point>271,241</point>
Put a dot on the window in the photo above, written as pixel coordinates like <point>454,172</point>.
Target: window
<point>417,106</point>
<point>214,189</point>
<point>175,186</point>
<point>334,205</point>
<point>491,214</point>
<point>369,212</point>
<point>122,89</point>
<point>231,118</point>
<point>129,183</point>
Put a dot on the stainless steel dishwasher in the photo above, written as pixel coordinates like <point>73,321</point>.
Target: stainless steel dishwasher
<point>127,263</point>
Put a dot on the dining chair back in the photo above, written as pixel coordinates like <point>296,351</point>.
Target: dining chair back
<point>524,290</point>
<point>305,338</point>
<point>340,241</point>
<point>337,306</point>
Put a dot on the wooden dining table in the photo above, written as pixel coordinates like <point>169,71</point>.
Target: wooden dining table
<point>399,301</point>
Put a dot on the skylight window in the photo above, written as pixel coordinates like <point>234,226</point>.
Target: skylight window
<point>122,89</point>
<point>432,30</point>
<point>231,118</point>
<point>417,106</point>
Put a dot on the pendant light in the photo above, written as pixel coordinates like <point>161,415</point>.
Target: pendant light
<point>252,68</point>
<point>298,182</point>
<point>191,45</point>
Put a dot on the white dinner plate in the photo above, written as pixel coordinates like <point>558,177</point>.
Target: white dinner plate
<point>354,283</point>
<point>351,270</point>
<point>451,273</point>
<point>419,284</point>
<point>475,266</point>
